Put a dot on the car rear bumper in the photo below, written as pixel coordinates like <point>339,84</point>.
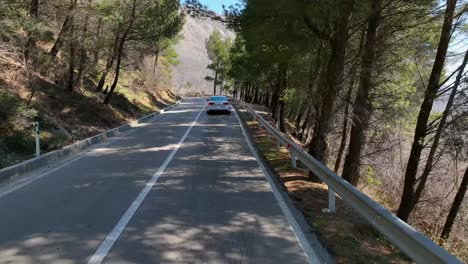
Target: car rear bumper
<point>218,110</point>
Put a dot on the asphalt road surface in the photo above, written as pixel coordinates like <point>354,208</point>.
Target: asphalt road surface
<point>184,188</point>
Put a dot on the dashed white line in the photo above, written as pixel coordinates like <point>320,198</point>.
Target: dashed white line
<point>107,244</point>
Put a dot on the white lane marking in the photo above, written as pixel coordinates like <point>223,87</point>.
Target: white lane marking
<point>107,244</point>
<point>76,158</point>
<point>300,236</point>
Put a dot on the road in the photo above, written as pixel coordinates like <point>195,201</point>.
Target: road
<point>184,188</point>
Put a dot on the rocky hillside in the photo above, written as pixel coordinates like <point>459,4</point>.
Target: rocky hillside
<point>188,76</point>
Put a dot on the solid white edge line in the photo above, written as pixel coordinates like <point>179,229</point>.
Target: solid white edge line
<point>300,236</point>
<point>107,244</point>
<point>74,159</point>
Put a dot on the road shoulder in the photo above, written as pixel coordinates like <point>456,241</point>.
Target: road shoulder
<point>311,245</point>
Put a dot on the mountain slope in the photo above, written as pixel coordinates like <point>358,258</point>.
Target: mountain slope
<point>188,76</point>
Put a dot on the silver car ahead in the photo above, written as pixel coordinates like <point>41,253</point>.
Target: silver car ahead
<point>218,104</point>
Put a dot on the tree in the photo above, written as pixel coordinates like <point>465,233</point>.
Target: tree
<point>67,24</point>
<point>110,59</point>
<point>121,43</point>
<point>31,42</point>
<point>71,39</point>
<point>146,21</point>
<point>409,197</point>
<point>454,209</point>
<point>218,52</point>
<point>332,79</point>
<point>83,53</point>
<point>362,106</point>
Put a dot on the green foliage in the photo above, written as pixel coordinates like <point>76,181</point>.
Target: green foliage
<point>15,125</point>
<point>171,56</point>
<point>13,113</point>
<point>13,20</point>
<point>218,50</point>
<point>157,21</point>
<point>370,177</point>
<point>51,142</point>
<point>111,11</point>
<point>274,30</point>
<point>20,142</point>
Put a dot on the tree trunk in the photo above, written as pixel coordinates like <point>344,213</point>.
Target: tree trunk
<point>215,81</point>
<point>430,158</point>
<point>59,42</point>
<point>156,58</point>
<point>314,69</point>
<point>267,98</point>
<point>34,9</point>
<point>408,197</point>
<point>300,114</point>
<point>344,133</point>
<point>455,207</point>
<point>282,119</point>
<point>117,72</point>
<point>241,95</point>
<point>275,96</point>
<point>120,54</point>
<point>63,31</point>
<point>362,110</point>
<point>30,50</point>
<point>71,63</point>
<point>256,95</point>
<point>332,82</point>
<point>110,61</point>
<point>83,55</point>
<point>314,74</point>
<point>98,36</point>
<point>247,92</point>
<point>305,124</point>
<point>282,105</point>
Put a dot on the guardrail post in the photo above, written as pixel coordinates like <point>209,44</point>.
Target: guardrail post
<point>38,138</point>
<point>293,160</point>
<point>331,200</point>
<point>278,145</point>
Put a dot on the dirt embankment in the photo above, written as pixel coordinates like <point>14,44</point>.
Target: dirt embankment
<point>64,117</point>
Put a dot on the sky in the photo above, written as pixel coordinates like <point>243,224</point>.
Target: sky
<point>217,5</point>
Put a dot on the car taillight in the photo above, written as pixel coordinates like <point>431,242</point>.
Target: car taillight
<point>225,103</point>
<point>210,103</point>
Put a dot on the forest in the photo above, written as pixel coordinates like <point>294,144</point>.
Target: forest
<point>80,67</point>
<point>376,90</point>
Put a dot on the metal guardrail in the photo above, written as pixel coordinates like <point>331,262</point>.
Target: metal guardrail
<point>414,244</point>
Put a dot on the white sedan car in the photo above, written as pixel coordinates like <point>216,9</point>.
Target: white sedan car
<point>218,104</point>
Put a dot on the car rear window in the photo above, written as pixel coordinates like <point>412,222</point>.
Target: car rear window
<point>218,98</point>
